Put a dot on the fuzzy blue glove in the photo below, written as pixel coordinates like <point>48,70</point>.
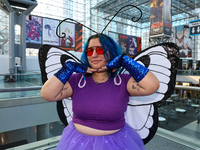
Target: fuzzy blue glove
<point>68,68</point>
<point>137,71</point>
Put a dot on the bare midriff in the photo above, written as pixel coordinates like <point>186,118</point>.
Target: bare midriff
<point>93,132</point>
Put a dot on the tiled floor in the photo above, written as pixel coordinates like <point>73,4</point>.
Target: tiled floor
<point>161,143</point>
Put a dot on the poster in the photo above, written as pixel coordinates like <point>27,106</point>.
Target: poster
<point>130,45</point>
<point>69,30</point>
<point>160,17</point>
<point>179,36</point>
<point>43,31</point>
<point>123,43</point>
<point>49,31</point>
<point>184,41</point>
<point>156,17</point>
<point>33,30</point>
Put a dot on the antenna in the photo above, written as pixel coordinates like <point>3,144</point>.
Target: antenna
<point>119,11</point>
<point>105,26</point>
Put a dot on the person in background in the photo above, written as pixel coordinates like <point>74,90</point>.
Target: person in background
<point>100,96</point>
<point>198,114</point>
<point>188,95</point>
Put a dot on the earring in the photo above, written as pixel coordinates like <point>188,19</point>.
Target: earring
<point>84,82</point>
<point>120,80</point>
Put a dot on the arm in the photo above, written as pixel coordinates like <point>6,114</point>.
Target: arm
<point>54,90</point>
<point>148,85</point>
<point>143,82</point>
<point>57,87</point>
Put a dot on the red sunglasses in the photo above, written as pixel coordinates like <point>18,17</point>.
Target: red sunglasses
<point>99,50</point>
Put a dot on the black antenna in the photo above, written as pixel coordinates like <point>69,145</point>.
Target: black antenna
<point>92,29</point>
<point>71,20</point>
<point>119,11</point>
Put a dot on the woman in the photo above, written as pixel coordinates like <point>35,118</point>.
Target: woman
<point>100,96</point>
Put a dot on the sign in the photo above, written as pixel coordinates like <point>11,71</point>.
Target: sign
<point>130,45</point>
<point>41,30</point>
<point>194,27</point>
<point>160,17</point>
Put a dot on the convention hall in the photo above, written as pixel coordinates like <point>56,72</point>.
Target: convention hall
<point>37,37</point>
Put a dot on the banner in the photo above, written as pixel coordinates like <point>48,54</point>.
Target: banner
<point>130,45</point>
<point>78,37</point>
<point>43,31</point>
<point>184,41</point>
<point>194,27</point>
<point>33,31</point>
<point>123,43</point>
<point>160,17</point>
<point>49,32</point>
<point>167,18</point>
<point>69,30</point>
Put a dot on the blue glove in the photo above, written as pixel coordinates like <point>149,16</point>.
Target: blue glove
<point>68,68</point>
<point>137,71</point>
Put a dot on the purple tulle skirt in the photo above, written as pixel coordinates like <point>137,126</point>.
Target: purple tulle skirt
<point>125,139</point>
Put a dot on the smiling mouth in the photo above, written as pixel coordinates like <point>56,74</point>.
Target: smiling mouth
<point>95,61</point>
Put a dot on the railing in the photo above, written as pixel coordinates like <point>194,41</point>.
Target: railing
<point>20,85</point>
<point>20,89</point>
<point>28,85</point>
<point>51,143</point>
<point>188,72</point>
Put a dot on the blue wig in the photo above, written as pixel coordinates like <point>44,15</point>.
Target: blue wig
<point>110,47</point>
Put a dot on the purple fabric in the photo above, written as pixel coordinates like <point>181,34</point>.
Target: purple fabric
<point>125,139</point>
<point>100,106</point>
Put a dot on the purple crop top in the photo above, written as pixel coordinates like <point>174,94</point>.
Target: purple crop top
<point>100,106</point>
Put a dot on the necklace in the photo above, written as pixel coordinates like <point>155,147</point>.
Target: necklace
<point>100,81</point>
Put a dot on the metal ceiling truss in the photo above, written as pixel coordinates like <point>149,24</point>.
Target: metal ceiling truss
<point>178,7</point>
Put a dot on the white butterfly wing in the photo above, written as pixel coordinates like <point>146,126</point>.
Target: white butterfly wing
<point>52,58</point>
<point>141,113</point>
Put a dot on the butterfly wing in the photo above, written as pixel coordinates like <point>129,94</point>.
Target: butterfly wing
<point>142,114</point>
<point>51,59</point>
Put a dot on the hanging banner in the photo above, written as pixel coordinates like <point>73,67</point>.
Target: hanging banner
<point>184,41</point>
<point>33,31</point>
<point>130,45</point>
<point>194,27</point>
<point>41,30</point>
<point>124,43</point>
<point>69,30</point>
<point>49,31</point>
<point>160,17</point>
<point>167,18</point>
